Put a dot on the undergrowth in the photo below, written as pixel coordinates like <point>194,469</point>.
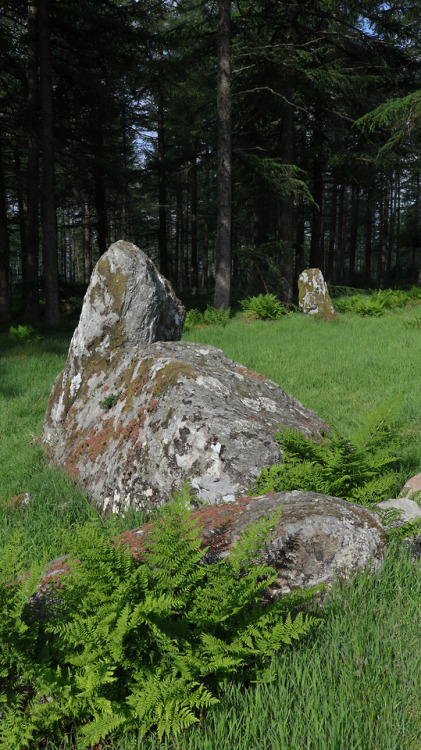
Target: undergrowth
<point>359,468</point>
<point>135,647</point>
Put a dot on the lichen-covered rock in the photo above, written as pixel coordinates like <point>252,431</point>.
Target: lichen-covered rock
<point>412,485</point>
<point>318,540</point>
<point>407,511</point>
<point>175,411</point>
<point>127,303</point>
<point>313,295</point>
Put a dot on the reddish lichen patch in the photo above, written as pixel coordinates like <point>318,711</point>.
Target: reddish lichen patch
<point>129,432</point>
<point>98,440</point>
<point>153,403</point>
<point>250,373</point>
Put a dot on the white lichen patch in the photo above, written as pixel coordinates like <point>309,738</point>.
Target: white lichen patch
<point>75,384</point>
<point>208,382</point>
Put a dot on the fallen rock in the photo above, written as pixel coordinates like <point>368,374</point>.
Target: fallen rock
<point>146,418</point>
<point>412,485</point>
<point>407,510</point>
<point>313,295</point>
<point>127,303</point>
<point>319,539</point>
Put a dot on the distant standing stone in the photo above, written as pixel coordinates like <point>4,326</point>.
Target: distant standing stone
<point>313,296</point>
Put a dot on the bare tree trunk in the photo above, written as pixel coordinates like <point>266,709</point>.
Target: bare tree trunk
<point>30,265</point>
<point>287,223</point>
<point>21,208</point>
<point>205,253</point>
<point>369,237</point>
<point>48,207</point>
<point>354,234</point>
<point>5,276</point>
<point>162,193</point>
<point>300,239</point>
<point>332,227</point>
<point>384,226</point>
<point>340,257</point>
<point>287,227</point>
<point>223,233</point>
<point>194,275</point>
<point>316,242</point>
<point>87,246</point>
<point>415,241</point>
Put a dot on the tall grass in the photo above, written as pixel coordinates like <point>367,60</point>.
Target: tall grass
<point>339,369</point>
<point>353,684</point>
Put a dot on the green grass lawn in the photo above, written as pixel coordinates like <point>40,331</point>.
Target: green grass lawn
<point>353,684</point>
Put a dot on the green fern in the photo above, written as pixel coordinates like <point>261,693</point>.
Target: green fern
<point>359,469</point>
<point>140,646</point>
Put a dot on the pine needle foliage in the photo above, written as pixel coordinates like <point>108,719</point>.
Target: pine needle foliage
<point>359,469</point>
<point>141,647</point>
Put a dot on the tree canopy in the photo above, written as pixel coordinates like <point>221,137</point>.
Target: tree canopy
<point>115,124</point>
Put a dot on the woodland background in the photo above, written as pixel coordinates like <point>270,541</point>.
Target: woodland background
<point>224,139</point>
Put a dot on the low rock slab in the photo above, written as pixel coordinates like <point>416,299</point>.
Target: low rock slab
<point>313,296</point>
<point>177,410</point>
<point>318,540</point>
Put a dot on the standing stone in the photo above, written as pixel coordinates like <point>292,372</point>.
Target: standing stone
<point>314,298</point>
<point>127,303</point>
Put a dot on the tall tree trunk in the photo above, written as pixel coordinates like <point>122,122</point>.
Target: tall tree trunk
<point>21,208</point>
<point>300,239</point>
<point>332,227</point>
<point>223,232</point>
<point>398,232</point>
<point>354,234</point>
<point>384,227</point>
<point>392,228</point>
<point>194,275</point>
<point>30,265</point>
<point>415,240</point>
<point>316,242</point>
<point>178,276</point>
<point>340,257</point>
<point>48,207</point>
<point>205,252</point>
<point>368,255</point>
<point>162,193</point>
<point>287,226</point>
<point>87,246</point>
<point>5,276</point>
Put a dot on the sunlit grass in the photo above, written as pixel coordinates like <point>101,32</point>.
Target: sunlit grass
<point>354,683</point>
<point>338,369</point>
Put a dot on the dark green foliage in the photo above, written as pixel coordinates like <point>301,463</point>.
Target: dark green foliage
<point>377,301</point>
<point>23,333</point>
<point>359,469</point>
<point>138,646</point>
<point>211,317</point>
<point>264,306</point>
<point>110,401</point>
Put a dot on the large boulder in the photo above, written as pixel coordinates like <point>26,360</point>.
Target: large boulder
<point>175,411</point>
<point>318,540</point>
<point>313,295</point>
<point>127,303</point>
